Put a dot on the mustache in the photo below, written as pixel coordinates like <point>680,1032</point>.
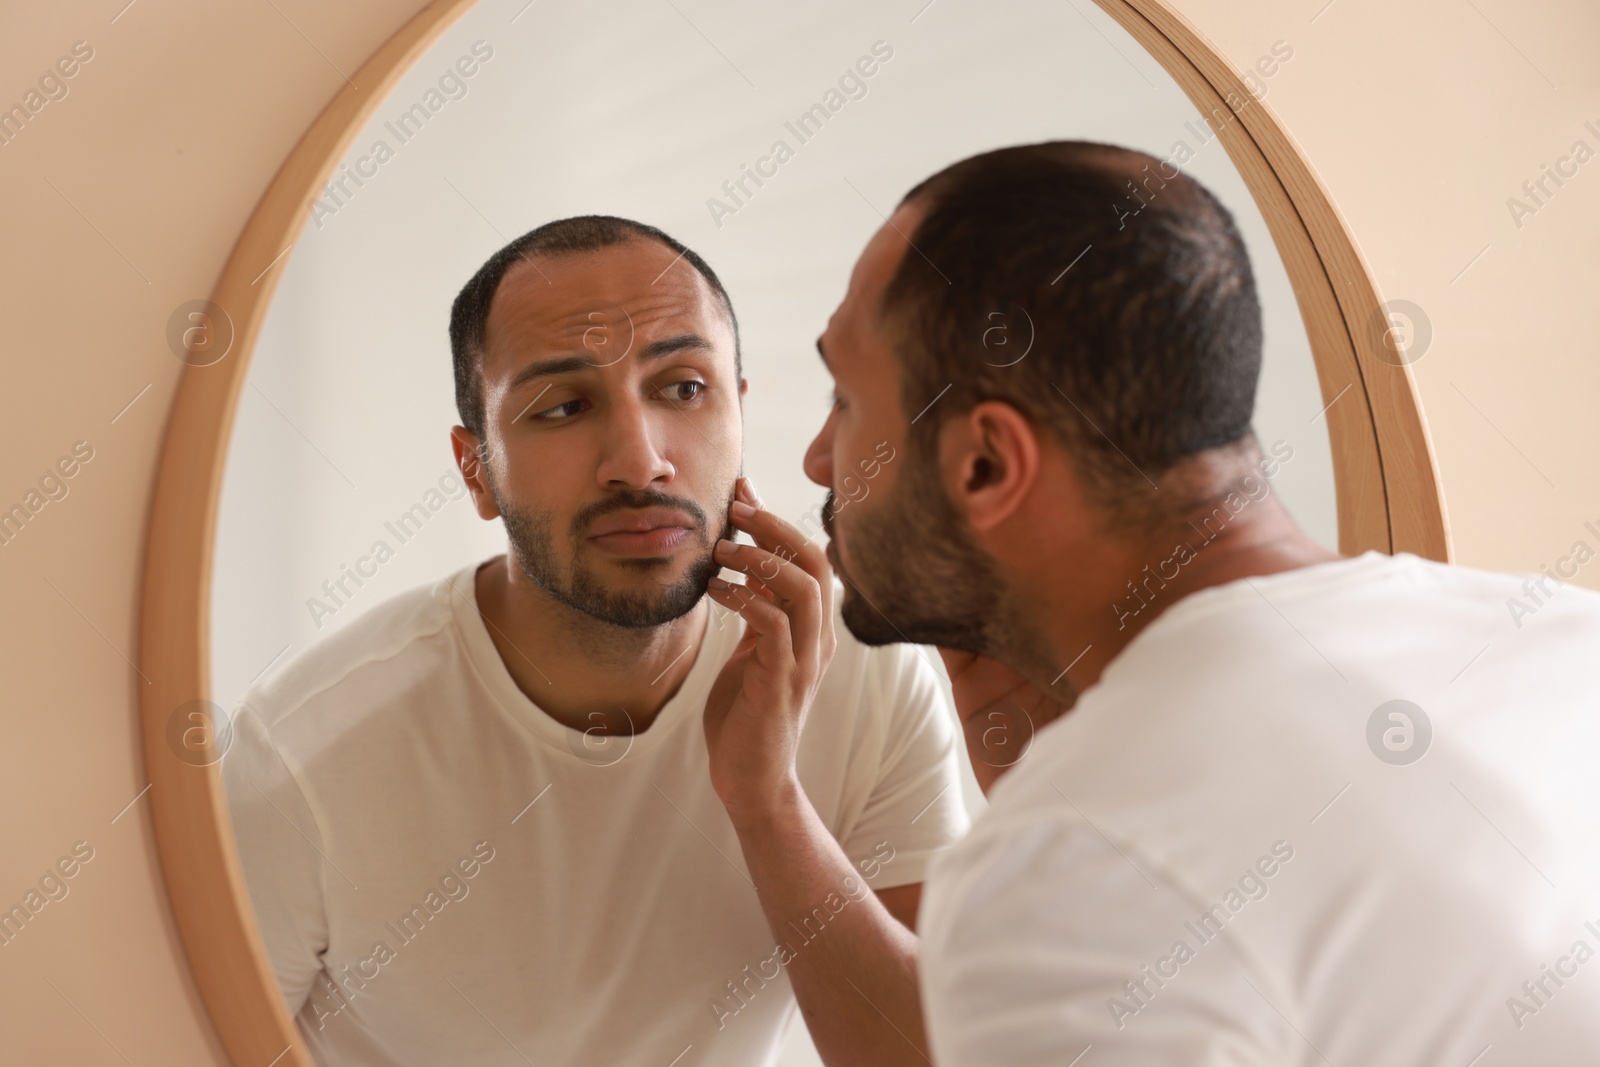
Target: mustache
<point>636,499</point>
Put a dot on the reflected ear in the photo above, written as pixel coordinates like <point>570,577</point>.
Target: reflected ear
<point>990,461</point>
<point>464,443</point>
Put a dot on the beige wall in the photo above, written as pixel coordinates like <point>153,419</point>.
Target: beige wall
<point>122,200</point>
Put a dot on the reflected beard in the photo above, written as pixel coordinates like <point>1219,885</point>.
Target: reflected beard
<point>915,573</point>
<point>531,533</point>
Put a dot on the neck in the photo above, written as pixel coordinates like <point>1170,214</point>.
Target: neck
<point>584,673</point>
<point>1077,615</point>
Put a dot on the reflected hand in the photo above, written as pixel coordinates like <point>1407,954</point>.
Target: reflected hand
<point>1000,710</point>
<point>759,702</point>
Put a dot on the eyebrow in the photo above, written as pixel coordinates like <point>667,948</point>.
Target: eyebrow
<point>549,368</point>
<point>824,356</point>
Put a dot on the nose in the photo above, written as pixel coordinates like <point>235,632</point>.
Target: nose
<point>633,457</point>
<point>819,455</point>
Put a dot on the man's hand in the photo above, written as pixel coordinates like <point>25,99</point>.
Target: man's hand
<point>999,710</point>
<point>759,702</point>
<point>858,985</point>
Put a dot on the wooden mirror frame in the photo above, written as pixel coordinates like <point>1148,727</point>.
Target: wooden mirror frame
<point>1386,479</point>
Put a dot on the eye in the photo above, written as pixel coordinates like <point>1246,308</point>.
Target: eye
<point>559,412</point>
<point>697,388</point>
<point>834,401</point>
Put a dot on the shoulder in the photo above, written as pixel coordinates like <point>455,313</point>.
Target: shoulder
<point>366,661</point>
<point>1411,584</point>
<point>1367,618</point>
<point>1550,592</point>
<point>1017,881</point>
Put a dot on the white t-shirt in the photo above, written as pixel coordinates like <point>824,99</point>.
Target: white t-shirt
<point>1220,855</point>
<point>489,887</point>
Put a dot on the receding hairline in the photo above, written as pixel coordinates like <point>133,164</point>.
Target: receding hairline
<point>527,261</point>
<point>470,310</point>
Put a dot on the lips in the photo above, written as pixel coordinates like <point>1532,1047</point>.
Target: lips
<point>642,532</point>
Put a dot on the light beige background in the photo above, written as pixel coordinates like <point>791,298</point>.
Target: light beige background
<point>123,199</point>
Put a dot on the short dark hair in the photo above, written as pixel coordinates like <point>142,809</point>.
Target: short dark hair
<point>469,315</point>
<point>1132,283</point>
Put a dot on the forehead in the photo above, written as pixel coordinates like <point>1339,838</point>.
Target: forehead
<point>640,285</point>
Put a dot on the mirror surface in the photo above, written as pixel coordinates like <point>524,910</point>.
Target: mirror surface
<point>654,112</point>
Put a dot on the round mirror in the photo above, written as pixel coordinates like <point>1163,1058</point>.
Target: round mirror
<point>771,144</point>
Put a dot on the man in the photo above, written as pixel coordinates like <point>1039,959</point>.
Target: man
<point>1274,805</point>
<point>555,810</point>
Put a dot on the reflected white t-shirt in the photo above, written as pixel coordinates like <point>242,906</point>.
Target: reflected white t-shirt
<point>444,874</point>
<point>1221,856</point>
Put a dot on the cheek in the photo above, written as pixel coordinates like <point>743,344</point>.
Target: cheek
<point>540,481</point>
<point>699,439</point>
<point>545,490</point>
<point>704,458</point>
<point>730,441</point>
<point>886,509</point>
<point>724,452</point>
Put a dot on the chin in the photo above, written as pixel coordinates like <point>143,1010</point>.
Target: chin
<point>640,593</point>
<point>865,623</point>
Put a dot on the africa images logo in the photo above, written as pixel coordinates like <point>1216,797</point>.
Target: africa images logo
<point>1399,732</point>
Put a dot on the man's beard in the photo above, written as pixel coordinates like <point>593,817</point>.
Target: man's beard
<point>915,573</point>
<point>531,533</point>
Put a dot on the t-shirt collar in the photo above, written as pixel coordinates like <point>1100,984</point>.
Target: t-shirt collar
<point>716,645</point>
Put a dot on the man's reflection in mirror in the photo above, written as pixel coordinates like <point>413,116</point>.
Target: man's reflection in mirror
<point>585,802</point>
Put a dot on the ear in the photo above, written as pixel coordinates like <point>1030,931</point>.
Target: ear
<point>744,387</point>
<point>464,443</point>
<point>990,462</point>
